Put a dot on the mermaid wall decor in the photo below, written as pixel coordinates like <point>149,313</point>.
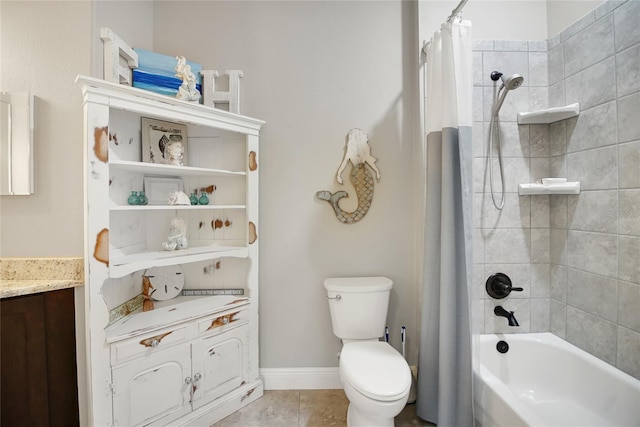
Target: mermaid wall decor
<point>358,152</point>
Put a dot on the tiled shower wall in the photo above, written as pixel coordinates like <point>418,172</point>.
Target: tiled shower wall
<point>595,236</point>
<point>577,257</point>
<point>514,240</point>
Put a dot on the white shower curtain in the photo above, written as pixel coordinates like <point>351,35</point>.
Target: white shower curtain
<point>445,370</point>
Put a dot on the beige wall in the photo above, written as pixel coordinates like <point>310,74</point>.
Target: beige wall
<point>562,13</point>
<point>132,21</point>
<point>508,20</point>
<point>492,19</point>
<point>43,50</point>
<point>313,71</point>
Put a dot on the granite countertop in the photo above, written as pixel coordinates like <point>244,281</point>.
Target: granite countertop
<point>25,276</point>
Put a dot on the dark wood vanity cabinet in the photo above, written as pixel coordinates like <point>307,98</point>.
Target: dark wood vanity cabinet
<point>38,366</point>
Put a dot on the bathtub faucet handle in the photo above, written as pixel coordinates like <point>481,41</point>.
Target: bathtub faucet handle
<point>511,318</point>
<point>499,286</point>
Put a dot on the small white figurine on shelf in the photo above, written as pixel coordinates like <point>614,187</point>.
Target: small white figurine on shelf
<point>174,152</point>
<point>187,90</point>
<point>177,238</point>
<point>178,198</point>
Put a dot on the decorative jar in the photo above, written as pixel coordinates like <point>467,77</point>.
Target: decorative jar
<point>133,198</point>
<point>203,200</point>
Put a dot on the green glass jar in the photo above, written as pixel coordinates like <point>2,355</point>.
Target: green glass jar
<point>144,200</point>
<point>133,198</point>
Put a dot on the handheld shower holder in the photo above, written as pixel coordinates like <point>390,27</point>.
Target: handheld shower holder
<point>495,75</point>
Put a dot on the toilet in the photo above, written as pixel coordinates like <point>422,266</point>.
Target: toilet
<point>376,378</point>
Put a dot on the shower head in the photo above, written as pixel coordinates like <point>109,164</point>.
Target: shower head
<point>512,82</point>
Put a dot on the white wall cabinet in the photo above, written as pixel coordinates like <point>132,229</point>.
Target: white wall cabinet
<point>193,359</point>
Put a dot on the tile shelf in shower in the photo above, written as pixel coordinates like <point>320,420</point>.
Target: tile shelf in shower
<point>549,115</point>
<point>536,189</point>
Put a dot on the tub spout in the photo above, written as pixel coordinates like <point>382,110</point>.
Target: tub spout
<point>500,311</point>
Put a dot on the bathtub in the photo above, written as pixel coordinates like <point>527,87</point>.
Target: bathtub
<point>543,380</point>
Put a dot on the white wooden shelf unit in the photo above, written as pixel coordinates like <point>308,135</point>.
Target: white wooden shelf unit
<point>192,359</point>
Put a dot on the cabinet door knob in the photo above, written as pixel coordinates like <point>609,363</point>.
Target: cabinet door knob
<point>187,380</point>
<point>154,341</point>
<point>197,377</point>
<point>225,320</point>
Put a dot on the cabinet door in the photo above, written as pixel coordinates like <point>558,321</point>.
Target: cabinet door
<point>24,362</point>
<point>38,352</point>
<point>152,389</point>
<point>219,365</point>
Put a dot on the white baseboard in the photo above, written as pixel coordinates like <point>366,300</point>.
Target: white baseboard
<point>301,378</point>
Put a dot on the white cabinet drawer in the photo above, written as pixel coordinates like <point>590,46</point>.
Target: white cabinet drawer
<point>148,344</point>
<point>223,321</point>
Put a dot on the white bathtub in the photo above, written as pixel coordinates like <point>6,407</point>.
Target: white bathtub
<point>545,381</point>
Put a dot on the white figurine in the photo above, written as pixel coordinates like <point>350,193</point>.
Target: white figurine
<point>187,90</point>
<point>177,238</point>
<point>178,198</point>
<point>175,152</point>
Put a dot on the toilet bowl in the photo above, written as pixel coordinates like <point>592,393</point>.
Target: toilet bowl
<point>376,378</point>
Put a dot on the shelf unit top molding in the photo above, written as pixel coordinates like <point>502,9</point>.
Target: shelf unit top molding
<point>549,115</point>
<point>149,103</point>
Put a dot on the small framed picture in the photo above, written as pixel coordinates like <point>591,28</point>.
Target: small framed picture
<point>158,189</point>
<point>164,142</point>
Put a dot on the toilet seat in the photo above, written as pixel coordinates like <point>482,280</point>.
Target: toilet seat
<point>375,369</point>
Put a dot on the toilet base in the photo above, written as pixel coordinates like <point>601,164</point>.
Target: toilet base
<point>356,418</point>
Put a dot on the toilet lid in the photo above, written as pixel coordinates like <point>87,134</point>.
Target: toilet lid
<point>375,369</point>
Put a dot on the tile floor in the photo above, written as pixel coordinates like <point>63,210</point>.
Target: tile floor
<point>304,408</point>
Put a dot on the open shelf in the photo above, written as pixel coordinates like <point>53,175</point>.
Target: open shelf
<point>172,207</point>
<point>535,189</point>
<point>120,266</point>
<point>169,170</point>
<point>168,313</point>
<point>549,115</point>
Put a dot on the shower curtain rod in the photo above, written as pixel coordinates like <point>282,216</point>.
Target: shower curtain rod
<point>457,10</point>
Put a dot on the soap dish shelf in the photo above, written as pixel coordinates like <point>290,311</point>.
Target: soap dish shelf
<point>549,115</point>
<point>535,189</point>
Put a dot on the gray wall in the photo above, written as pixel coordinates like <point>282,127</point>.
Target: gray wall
<point>578,257</point>
<point>313,71</point>
<point>595,236</point>
<point>515,240</point>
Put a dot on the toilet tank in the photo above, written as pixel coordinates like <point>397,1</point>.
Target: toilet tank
<point>358,306</point>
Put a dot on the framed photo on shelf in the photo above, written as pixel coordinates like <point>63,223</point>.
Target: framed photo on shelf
<point>164,142</point>
<point>158,189</point>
